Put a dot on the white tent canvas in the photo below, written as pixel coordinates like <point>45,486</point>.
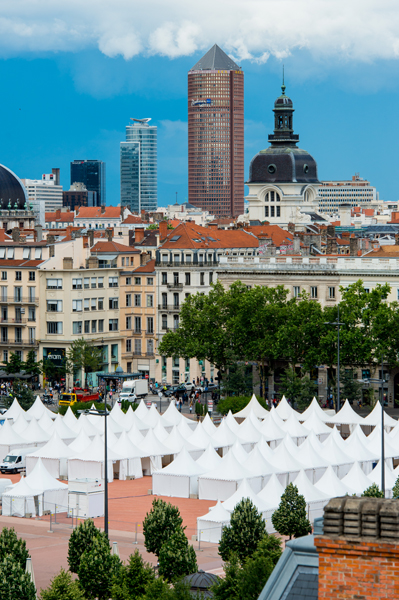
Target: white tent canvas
<point>331,485</point>
<point>244,490</point>
<point>171,416</point>
<point>210,526</point>
<point>132,455</point>
<point>200,438</point>
<point>314,408</point>
<point>319,427</point>
<point>222,482</point>
<point>9,439</point>
<point>314,497</point>
<point>254,406</point>
<point>54,457</point>
<point>210,459</point>
<point>356,479</point>
<point>346,416</point>
<point>90,465</point>
<point>271,495</point>
<point>389,475</point>
<point>179,478</point>
<point>14,411</point>
<point>209,425</point>
<point>374,418</point>
<point>20,500</point>
<point>285,410</point>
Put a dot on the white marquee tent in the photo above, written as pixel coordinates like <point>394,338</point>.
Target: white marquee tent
<point>179,479</point>
<point>210,526</point>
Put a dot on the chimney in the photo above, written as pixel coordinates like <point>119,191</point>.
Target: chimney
<point>397,239</point>
<point>50,239</point>
<point>58,213</point>
<point>102,209</point>
<point>214,225</point>
<point>56,172</point>
<point>331,245</point>
<point>131,233</point>
<point>163,230</point>
<point>291,227</point>
<point>138,235</point>
<point>359,548</point>
<point>345,214</point>
<point>52,251</point>
<point>297,245</point>
<point>90,235</point>
<point>353,246</point>
<point>331,230</point>
<point>15,234</point>
<point>110,234</point>
<point>92,262</point>
<point>39,233</point>
<point>67,263</point>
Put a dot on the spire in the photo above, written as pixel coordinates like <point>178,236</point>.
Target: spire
<point>283,121</point>
<point>283,86</point>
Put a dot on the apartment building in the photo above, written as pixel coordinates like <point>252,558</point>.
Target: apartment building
<point>139,322</point>
<point>186,263</point>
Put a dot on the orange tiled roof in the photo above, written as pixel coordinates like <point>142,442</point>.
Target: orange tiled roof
<point>20,263</point>
<point>94,212</point>
<point>147,268</point>
<point>195,236</point>
<point>63,217</point>
<point>278,235</point>
<point>385,252</point>
<point>344,242</point>
<point>113,247</point>
<point>130,219</point>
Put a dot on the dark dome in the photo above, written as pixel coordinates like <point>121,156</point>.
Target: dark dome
<point>201,580</point>
<point>11,190</point>
<point>283,101</point>
<point>286,164</point>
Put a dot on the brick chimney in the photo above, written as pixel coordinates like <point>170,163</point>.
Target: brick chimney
<point>163,230</point>
<point>90,235</point>
<point>92,262</point>
<point>214,225</point>
<point>291,227</point>
<point>50,239</point>
<point>102,209</point>
<point>15,234</point>
<point>359,549</point>
<point>67,262</point>
<point>110,234</point>
<point>331,245</point>
<point>138,235</point>
<point>331,230</point>
<point>353,246</point>
<point>58,213</point>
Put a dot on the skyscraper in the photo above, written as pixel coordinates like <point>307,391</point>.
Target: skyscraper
<point>139,166</point>
<point>92,174</point>
<point>216,134</point>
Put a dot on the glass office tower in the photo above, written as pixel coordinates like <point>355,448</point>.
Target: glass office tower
<point>92,174</point>
<point>139,167</point>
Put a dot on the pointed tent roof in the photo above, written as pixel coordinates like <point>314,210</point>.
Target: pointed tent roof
<point>160,431</point>
<point>70,420</point>
<point>374,418</point>
<point>95,452</point>
<point>356,446</point>
<point>307,489</point>
<point>151,446</point>
<point>314,407</point>
<point>331,485</point>
<point>40,478</point>
<point>65,432</point>
<point>356,479</point>
<point>294,428</point>
<point>200,438</point>
<point>80,443</point>
<point>231,422</point>
<point>223,436</point>
<point>171,416</point>
<point>14,411</point>
<point>111,439</point>
<point>125,447</point>
<point>334,453</point>
<point>244,490</point>
<point>209,425</point>
<point>175,442</point>
<point>55,448</point>
<point>21,489</point>
<point>272,492</point>
<point>346,416</point>
<point>275,417</point>
<point>285,410</point>
<point>265,450</point>
<point>271,431</point>
<point>38,409</point>
<point>284,461</point>
<point>315,424</point>
<point>87,426</point>
<point>254,405</point>
<point>8,435</point>
<point>217,514</point>
<point>307,455</point>
<point>34,433</point>
<point>118,415</point>
<point>153,416</point>
<point>229,469</point>
<point>142,425</point>
<point>239,452</point>
<point>248,431</point>
<point>20,424</point>
<point>209,459</point>
<point>374,444</point>
<point>390,476</point>
<point>394,433</point>
<point>134,434</point>
<point>183,465</point>
<point>215,60</point>
<point>141,411</point>
<point>258,464</point>
<point>184,428</point>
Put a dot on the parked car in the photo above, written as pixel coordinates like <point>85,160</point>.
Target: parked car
<point>175,390</point>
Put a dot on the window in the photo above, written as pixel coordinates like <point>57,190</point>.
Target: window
<point>101,326</point>
<point>86,283</point>
<point>87,303</point>
<point>54,284</point>
<point>150,347</point>
<point>38,253</point>
<point>4,334</point>
<point>101,304</point>
<point>32,334</point>
<point>277,211</point>
<point>113,281</point>
<point>4,293</point>
<point>137,281</point>
<point>76,305</point>
<point>32,276</point>
<point>94,326</point>
<point>175,278</point>
<point>54,327</point>
<point>128,367</point>
<point>164,300</point>
<point>150,281</point>
<point>32,313</point>
<point>137,346</point>
<point>128,299</point>
<point>4,276</point>
<point>266,211</point>
<point>188,278</point>
<point>87,326</point>
<point>175,321</point>
<point>367,290</point>
<point>210,277</point>
<point>18,275</point>
<point>77,284</point>
<point>128,322</point>
<point>272,211</point>
<point>123,261</point>
<point>331,292</point>
<point>113,303</point>
<point>93,283</point>
<point>93,303</point>
<point>313,291</point>
<point>5,356</point>
<point>150,300</point>
<point>137,299</point>
<point>25,253</point>
<point>164,322</point>
<point>137,324</point>
<point>202,278</point>
<point>128,281</point>
<point>101,282</point>
<point>32,294</point>
<point>176,300</point>
<point>164,278</point>
<point>10,252</point>
<point>188,258</point>
<point>77,327</point>
<point>18,294</point>
<point>297,291</point>
<point>128,345</point>
<point>150,324</point>
<point>113,325</point>
<point>54,305</point>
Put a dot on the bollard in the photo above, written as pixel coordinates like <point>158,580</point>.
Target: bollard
<point>51,523</point>
<point>135,539</point>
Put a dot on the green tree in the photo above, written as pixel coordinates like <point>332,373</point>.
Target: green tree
<point>238,380</point>
<point>395,489</point>
<point>228,587</point>
<point>22,393</point>
<point>98,569</point>
<point>32,366</point>
<point>350,387</point>
<point>11,544</point>
<point>373,492</point>
<point>300,389</point>
<point>63,587</point>
<point>270,546</point>
<point>256,571</point>
<point>237,403</point>
<point>244,533</point>
<point>85,356</point>
<point>176,557</point>
<point>15,583</point>
<point>159,524</point>
<point>132,579</point>
<point>14,364</point>
<point>158,590</point>
<point>290,517</point>
<point>81,539</point>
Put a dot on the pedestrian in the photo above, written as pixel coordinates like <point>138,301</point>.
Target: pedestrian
<point>191,407</point>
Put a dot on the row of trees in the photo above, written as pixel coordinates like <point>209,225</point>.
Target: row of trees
<point>260,325</point>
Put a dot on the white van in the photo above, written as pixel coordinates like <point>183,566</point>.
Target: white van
<point>15,461</point>
<point>135,387</point>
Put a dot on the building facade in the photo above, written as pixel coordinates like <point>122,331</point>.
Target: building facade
<point>79,195</point>
<point>216,134</point>
<point>92,174</point>
<point>283,182</point>
<point>355,192</point>
<point>138,162</point>
<point>44,195</point>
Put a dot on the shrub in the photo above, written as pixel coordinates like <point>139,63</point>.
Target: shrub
<point>15,583</point>
<point>237,403</point>
<point>97,569</point>
<point>395,489</point>
<point>81,539</point>
<point>290,517</point>
<point>373,492</point>
<point>132,579</point>
<point>82,406</point>
<point>244,533</point>
<point>159,524</point>
<point>11,544</point>
<point>63,587</point>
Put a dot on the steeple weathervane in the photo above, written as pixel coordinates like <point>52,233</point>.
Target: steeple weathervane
<point>283,86</point>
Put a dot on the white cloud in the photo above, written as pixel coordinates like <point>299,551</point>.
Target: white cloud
<point>360,30</point>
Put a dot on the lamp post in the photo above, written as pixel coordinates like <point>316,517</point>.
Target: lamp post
<point>337,323</point>
<point>382,430</point>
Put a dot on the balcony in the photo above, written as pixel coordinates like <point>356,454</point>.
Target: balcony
<point>14,342</point>
<point>136,332</point>
<point>15,321</point>
<point>178,263</point>
<point>169,307</point>
<point>174,286</point>
<point>149,354</point>
<point>19,300</point>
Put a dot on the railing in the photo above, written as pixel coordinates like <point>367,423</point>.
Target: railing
<point>169,307</point>
<point>150,353</point>
<point>174,286</point>
<point>136,332</point>
<point>178,263</point>
<point>149,333</point>
<point>13,342</point>
<point>324,263</point>
<point>15,321</point>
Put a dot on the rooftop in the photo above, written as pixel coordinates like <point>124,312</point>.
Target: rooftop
<point>98,212</point>
<point>216,60</point>
<point>112,247</point>
<point>147,268</point>
<point>190,235</point>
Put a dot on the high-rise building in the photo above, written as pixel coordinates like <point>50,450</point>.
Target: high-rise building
<point>356,192</point>
<point>139,166</point>
<point>216,134</point>
<point>92,174</point>
<point>45,194</point>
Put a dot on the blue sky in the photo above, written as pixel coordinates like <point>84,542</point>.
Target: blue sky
<point>68,91</point>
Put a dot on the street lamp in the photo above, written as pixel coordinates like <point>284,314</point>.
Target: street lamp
<point>337,323</point>
<point>382,430</point>
<point>104,414</point>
